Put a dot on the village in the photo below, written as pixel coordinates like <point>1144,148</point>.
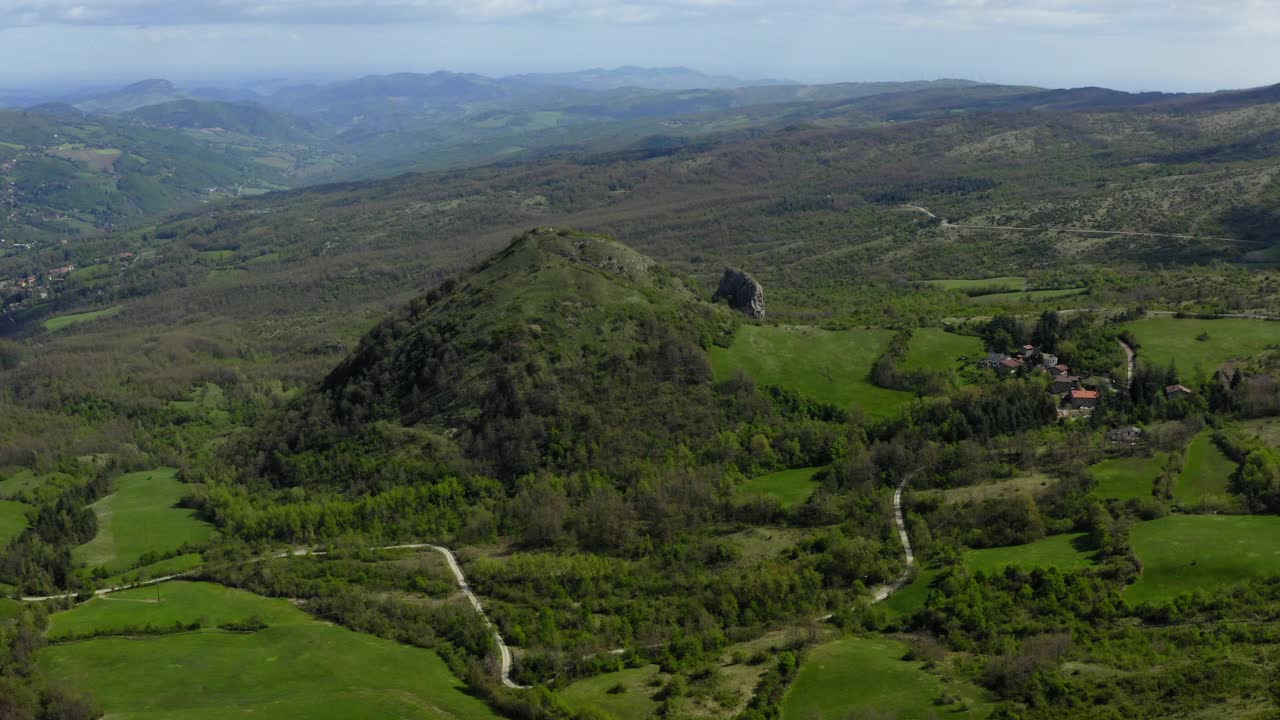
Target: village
<point>36,288</point>
<point>1076,399</point>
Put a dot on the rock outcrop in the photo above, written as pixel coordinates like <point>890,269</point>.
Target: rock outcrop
<point>742,291</point>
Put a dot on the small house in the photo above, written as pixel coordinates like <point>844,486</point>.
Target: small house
<point>1065,383</point>
<point>1125,435</point>
<point>1060,369</point>
<point>1048,361</point>
<point>1010,366</point>
<point>1082,399</point>
<point>1173,392</point>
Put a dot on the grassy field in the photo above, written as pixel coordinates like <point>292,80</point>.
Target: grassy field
<point>867,675</point>
<point>1127,478</point>
<point>1061,551</point>
<point>296,668</point>
<point>933,349</point>
<point>1004,283</point>
<point>141,517</point>
<point>831,366</point>
<point>63,321</point>
<point>1266,429</point>
<point>1206,472</point>
<point>1027,485</point>
<point>1166,340</point>
<point>1183,553</point>
<point>168,566</point>
<point>912,597</point>
<point>791,487</point>
<point>635,702</point>
<point>164,604</point>
<point>1028,296</point>
<point>13,520</point>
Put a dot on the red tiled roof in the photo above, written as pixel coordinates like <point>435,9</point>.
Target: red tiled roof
<point>1012,363</point>
<point>1084,394</point>
<point>1063,368</point>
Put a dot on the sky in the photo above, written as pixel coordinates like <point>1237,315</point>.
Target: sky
<point>1172,45</point>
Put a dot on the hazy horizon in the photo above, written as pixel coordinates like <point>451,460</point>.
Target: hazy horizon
<point>1126,44</point>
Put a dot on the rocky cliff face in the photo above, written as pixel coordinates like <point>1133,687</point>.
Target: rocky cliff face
<point>742,291</point>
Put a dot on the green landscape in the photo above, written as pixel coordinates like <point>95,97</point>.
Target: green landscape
<point>639,393</point>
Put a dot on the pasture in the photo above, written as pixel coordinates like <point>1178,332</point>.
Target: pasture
<point>13,520</point>
<point>141,516</point>
<point>830,366</point>
<point>626,694</point>
<point>1005,284</point>
<point>1131,478</point>
<point>1065,552</point>
<point>790,487</point>
<point>164,604</point>
<point>856,676</point>
<point>61,322</point>
<point>295,668</point>
<point>1166,340</point>
<point>934,349</point>
<point>1185,553</point>
<point>1206,473</point>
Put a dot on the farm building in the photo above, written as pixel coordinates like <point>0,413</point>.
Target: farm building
<point>1010,366</point>
<point>1082,399</point>
<point>1064,383</point>
<point>1173,392</point>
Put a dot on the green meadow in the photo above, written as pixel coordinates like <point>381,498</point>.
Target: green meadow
<point>826,365</point>
<point>1065,552</point>
<point>867,677</point>
<point>791,487</point>
<point>13,520</point>
<point>934,349</point>
<point>626,694</point>
<point>1206,472</point>
<point>296,668</point>
<point>63,321</point>
<point>1184,553</point>
<point>142,516</point>
<point>1166,340</point>
<point>1127,478</point>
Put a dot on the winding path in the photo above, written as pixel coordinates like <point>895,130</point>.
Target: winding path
<point>1130,363</point>
<point>884,592</point>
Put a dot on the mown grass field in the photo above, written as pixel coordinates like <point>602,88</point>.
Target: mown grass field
<point>140,517</point>
<point>1166,340</point>
<point>1126,478</point>
<point>1007,283</point>
<point>64,321</point>
<point>791,487</point>
<point>296,668</point>
<point>1065,552</point>
<point>1206,472</point>
<point>830,366</point>
<point>164,604</point>
<point>855,677</point>
<point>1184,553</point>
<point>168,566</point>
<point>934,349</point>
<point>13,520</point>
<point>913,596</point>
